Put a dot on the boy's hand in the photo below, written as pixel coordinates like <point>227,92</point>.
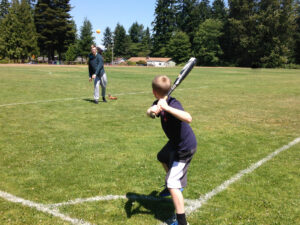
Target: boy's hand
<point>153,111</point>
<point>162,103</point>
<point>94,76</point>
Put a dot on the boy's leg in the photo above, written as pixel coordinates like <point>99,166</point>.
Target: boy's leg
<point>176,179</point>
<point>165,167</point>
<point>178,200</point>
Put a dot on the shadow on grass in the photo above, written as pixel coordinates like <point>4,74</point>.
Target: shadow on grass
<point>89,100</point>
<point>161,208</point>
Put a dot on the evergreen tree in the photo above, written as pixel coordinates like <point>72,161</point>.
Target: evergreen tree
<point>179,48</point>
<point>261,32</point>
<point>18,35</point>
<point>65,32</point>
<point>133,48</point>
<point>218,10</point>
<point>136,32</point>
<point>140,40</point>
<point>43,17</point>
<point>297,33</point>
<point>54,26</point>
<point>204,10</point>
<point>107,38</point>
<point>145,48</point>
<point>4,6</point>
<point>86,38</point>
<point>188,17</point>
<point>31,3</point>
<point>71,53</point>
<point>276,32</point>
<point>164,25</point>
<point>206,42</point>
<point>241,32</point>
<point>121,41</point>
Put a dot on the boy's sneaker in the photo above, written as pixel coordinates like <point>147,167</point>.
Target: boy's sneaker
<point>166,192</point>
<point>174,223</point>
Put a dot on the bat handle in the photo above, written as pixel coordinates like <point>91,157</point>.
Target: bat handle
<point>152,115</point>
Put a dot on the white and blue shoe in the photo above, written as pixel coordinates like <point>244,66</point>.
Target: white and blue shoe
<point>174,223</point>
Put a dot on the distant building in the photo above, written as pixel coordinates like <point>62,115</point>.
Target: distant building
<point>80,59</point>
<point>154,61</point>
<point>119,61</point>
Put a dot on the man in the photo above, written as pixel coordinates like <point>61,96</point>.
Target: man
<point>97,73</point>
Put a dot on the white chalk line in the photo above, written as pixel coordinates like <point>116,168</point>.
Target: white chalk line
<point>78,98</point>
<point>107,198</point>
<point>42,208</point>
<point>190,205</point>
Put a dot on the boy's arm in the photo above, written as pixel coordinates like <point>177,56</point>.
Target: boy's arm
<point>179,114</point>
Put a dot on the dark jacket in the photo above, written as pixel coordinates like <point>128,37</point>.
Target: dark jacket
<point>96,65</point>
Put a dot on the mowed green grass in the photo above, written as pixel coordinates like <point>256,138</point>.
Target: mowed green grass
<point>57,146</point>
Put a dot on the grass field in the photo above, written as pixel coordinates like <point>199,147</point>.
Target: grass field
<point>56,146</point>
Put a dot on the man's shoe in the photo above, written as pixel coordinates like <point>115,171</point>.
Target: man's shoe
<point>96,101</point>
<point>174,223</point>
<point>166,192</point>
<point>104,100</point>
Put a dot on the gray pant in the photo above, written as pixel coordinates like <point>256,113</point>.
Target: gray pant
<point>102,81</point>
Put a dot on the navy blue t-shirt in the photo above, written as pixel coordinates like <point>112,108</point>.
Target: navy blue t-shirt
<point>180,133</point>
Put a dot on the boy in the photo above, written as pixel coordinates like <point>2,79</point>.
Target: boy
<point>177,154</point>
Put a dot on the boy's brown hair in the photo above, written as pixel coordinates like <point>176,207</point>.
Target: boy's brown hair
<point>161,84</point>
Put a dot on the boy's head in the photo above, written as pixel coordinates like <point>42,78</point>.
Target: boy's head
<point>161,85</point>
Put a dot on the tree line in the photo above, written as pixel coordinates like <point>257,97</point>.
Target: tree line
<point>252,33</point>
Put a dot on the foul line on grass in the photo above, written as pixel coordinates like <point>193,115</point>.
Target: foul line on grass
<point>69,99</point>
<point>41,207</point>
<point>191,205</point>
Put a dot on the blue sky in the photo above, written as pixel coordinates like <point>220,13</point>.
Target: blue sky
<point>107,13</point>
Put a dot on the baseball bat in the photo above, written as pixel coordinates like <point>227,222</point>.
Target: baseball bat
<point>182,75</point>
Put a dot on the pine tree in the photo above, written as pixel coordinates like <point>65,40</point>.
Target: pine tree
<point>86,38</point>
<point>207,47</point>
<point>276,32</point>
<point>54,26</point>
<point>4,6</point>
<point>19,38</point>
<point>179,47</point>
<point>136,32</point>
<point>146,44</point>
<point>121,41</point>
<point>164,25</point>
<point>65,32</point>
<point>297,33</point>
<point>188,18</point>
<point>204,10</point>
<point>107,38</point>
<point>241,32</point>
<point>218,10</point>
